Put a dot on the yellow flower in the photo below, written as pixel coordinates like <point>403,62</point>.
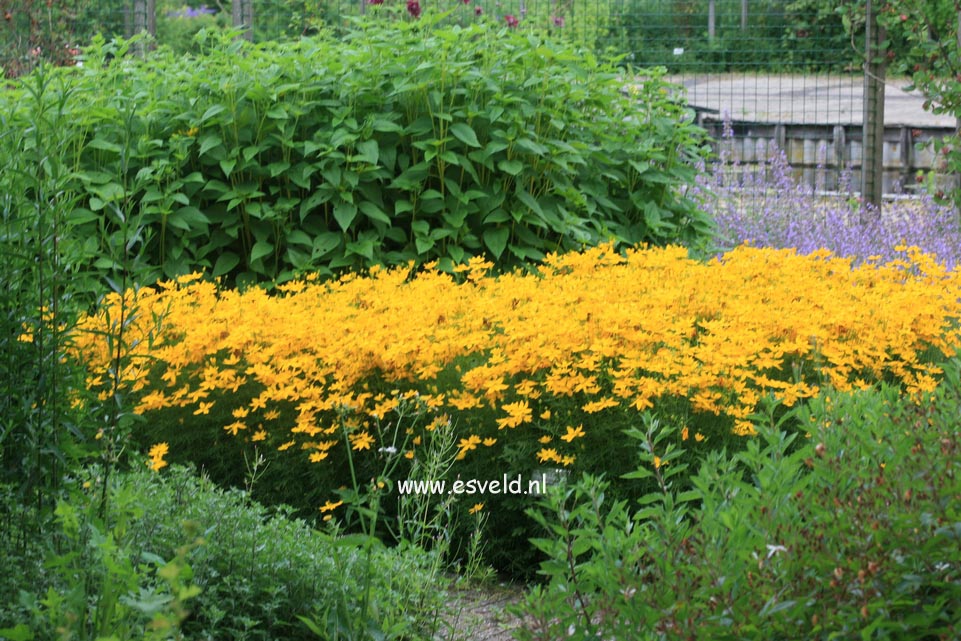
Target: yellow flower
<point>466,445</point>
<point>657,462</point>
<point>361,441</point>
<point>705,335</point>
<point>517,413</point>
<point>235,427</point>
<point>157,454</point>
<point>544,440</point>
<point>489,441</point>
<point>409,454</point>
<point>203,408</point>
<point>545,455</point>
<point>572,433</point>
<point>599,405</point>
<point>477,508</point>
<point>330,506</point>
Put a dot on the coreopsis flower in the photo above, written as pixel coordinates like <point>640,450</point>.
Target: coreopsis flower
<point>330,506</point>
<point>157,454</point>
<point>361,441</point>
<point>572,433</point>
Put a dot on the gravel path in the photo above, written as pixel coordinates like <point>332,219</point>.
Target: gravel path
<point>479,613</point>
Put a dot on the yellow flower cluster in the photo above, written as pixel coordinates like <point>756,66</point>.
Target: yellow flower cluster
<point>156,456</point>
<point>602,330</point>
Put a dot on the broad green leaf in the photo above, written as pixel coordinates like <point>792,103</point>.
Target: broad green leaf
<point>209,142</point>
<point>104,145</point>
<point>363,247</point>
<point>344,214</point>
<point>374,212</point>
<point>369,151</point>
<point>260,249</point>
<point>496,240</point>
<point>226,262</point>
<point>227,166</point>
<point>298,237</point>
<point>465,134</point>
<point>423,245</point>
<point>212,111</point>
<point>325,243</point>
<point>512,167</point>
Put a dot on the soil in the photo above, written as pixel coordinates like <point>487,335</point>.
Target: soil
<point>479,613</point>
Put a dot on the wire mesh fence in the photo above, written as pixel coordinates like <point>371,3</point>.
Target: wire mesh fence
<point>785,75</point>
<point>685,35</point>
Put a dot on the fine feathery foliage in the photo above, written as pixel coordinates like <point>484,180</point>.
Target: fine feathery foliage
<point>533,370</point>
<point>400,142</point>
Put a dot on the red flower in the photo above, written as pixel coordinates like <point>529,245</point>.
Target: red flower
<point>478,11</point>
<point>375,1</point>
<point>413,8</point>
<point>511,20</point>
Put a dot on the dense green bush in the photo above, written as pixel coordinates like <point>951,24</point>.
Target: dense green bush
<point>402,142</point>
<point>852,530</point>
<point>251,572</point>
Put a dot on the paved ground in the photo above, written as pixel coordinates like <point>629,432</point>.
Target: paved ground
<point>794,99</point>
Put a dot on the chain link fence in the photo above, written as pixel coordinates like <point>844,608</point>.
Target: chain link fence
<point>772,73</point>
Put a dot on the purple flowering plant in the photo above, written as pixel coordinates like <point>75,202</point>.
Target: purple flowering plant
<point>767,205</point>
<point>192,12</point>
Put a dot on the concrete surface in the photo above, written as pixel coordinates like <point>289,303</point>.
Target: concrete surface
<point>795,99</point>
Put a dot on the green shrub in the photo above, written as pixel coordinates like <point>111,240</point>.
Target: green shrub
<point>853,530</point>
<point>401,142</point>
<point>179,24</point>
<point>251,572</point>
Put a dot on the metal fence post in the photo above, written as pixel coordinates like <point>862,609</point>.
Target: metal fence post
<point>144,17</point>
<point>243,17</point>
<point>872,141</point>
<point>711,20</point>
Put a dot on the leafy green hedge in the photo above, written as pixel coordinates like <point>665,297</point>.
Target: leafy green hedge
<point>400,142</point>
